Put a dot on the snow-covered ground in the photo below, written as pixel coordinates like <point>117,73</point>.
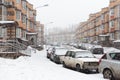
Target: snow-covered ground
<point>38,67</point>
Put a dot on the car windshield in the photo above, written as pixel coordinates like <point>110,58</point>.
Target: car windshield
<point>84,54</point>
<point>115,56</point>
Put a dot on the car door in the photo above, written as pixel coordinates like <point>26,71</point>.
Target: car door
<point>115,65</point>
<point>116,68</point>
<point>72,59</point>
<point>67,58</point>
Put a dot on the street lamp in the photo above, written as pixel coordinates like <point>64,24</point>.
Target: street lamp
<point>47,32</point>
<point>42,6</point>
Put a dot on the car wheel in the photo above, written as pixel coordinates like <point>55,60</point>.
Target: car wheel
<point>97,71</point>
<point>107,74</point>
<point>64,65</point>
<point>78,68</point>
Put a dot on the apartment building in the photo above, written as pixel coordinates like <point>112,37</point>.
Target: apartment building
<point>102,27</point>
<point>23,13</point>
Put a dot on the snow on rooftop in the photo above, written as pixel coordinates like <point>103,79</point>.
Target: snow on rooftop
<point>116,41</point>
<point>31,33</point>
<point>6,22</point>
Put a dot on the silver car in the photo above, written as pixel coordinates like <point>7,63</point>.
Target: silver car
<point>109,65</point>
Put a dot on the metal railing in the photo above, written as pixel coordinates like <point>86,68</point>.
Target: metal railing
<point>13,46</point>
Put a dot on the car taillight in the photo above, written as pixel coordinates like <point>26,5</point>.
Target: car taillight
<point>100,61</point>
<point>101,58</point>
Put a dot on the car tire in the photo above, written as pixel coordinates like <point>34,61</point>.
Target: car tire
<point>64,65</point>
<point>107,74</point>
<point>78,68</point>
<point>97,71</point>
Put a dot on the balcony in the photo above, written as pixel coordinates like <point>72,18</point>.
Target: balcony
<point>9,4</point>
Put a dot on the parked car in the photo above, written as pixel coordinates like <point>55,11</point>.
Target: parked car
<point>97,51</point>
<point>109,65</point>
<point>81,60</point>
<point>59,53</point>
<point>50,51</point>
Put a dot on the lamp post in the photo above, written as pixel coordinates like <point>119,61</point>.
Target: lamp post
<point>42,6</point>
<point>35,9</point>
<point>47,32</point>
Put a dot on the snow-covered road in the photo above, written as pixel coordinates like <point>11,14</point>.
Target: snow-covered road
<point>38,67</point>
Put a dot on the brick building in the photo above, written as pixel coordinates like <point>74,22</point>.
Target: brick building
<point>102,27</point>
<point>23,13</point>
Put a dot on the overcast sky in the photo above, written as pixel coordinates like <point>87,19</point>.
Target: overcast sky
<point>65,13</point>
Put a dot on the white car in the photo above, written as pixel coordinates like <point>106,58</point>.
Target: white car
<point>109,65</point>
<point>80,60</point>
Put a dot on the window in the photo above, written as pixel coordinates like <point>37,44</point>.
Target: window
<point>115,56</point>
<point>24,5</point>
<point>24,18</point>
<point>18,15</point>
<point>24,34</point>
<point>31,25</point>
<point>18,33</point>
<point>102,27</point>
<point>118,7</point>
<point>102,17</point>
<point>68,53</point>
<point>3,32</point>
<point>118,24</point>
<point>31,13</point>
<point>111,23</point>
<point>112,12</point>
<point>18,1</point>
<point>111,36</point>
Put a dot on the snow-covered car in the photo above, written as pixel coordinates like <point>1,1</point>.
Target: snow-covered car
<point>109,65</point>
<point>81,60</point>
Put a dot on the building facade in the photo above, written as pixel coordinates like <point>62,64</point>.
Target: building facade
<point>23,13</point>
<point>102,27</point>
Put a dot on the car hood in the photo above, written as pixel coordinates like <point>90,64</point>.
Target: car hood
<point>89,59</point>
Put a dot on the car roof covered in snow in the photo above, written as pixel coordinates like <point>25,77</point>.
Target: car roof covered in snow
<point>110,50</point>
<point>75,50</point>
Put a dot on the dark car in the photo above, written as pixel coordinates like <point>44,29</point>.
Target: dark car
<point>59,53</point>
<point>97,50</point>
<point>49,52</point>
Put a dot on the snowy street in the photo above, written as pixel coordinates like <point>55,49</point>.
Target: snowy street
<point>38,67</point>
